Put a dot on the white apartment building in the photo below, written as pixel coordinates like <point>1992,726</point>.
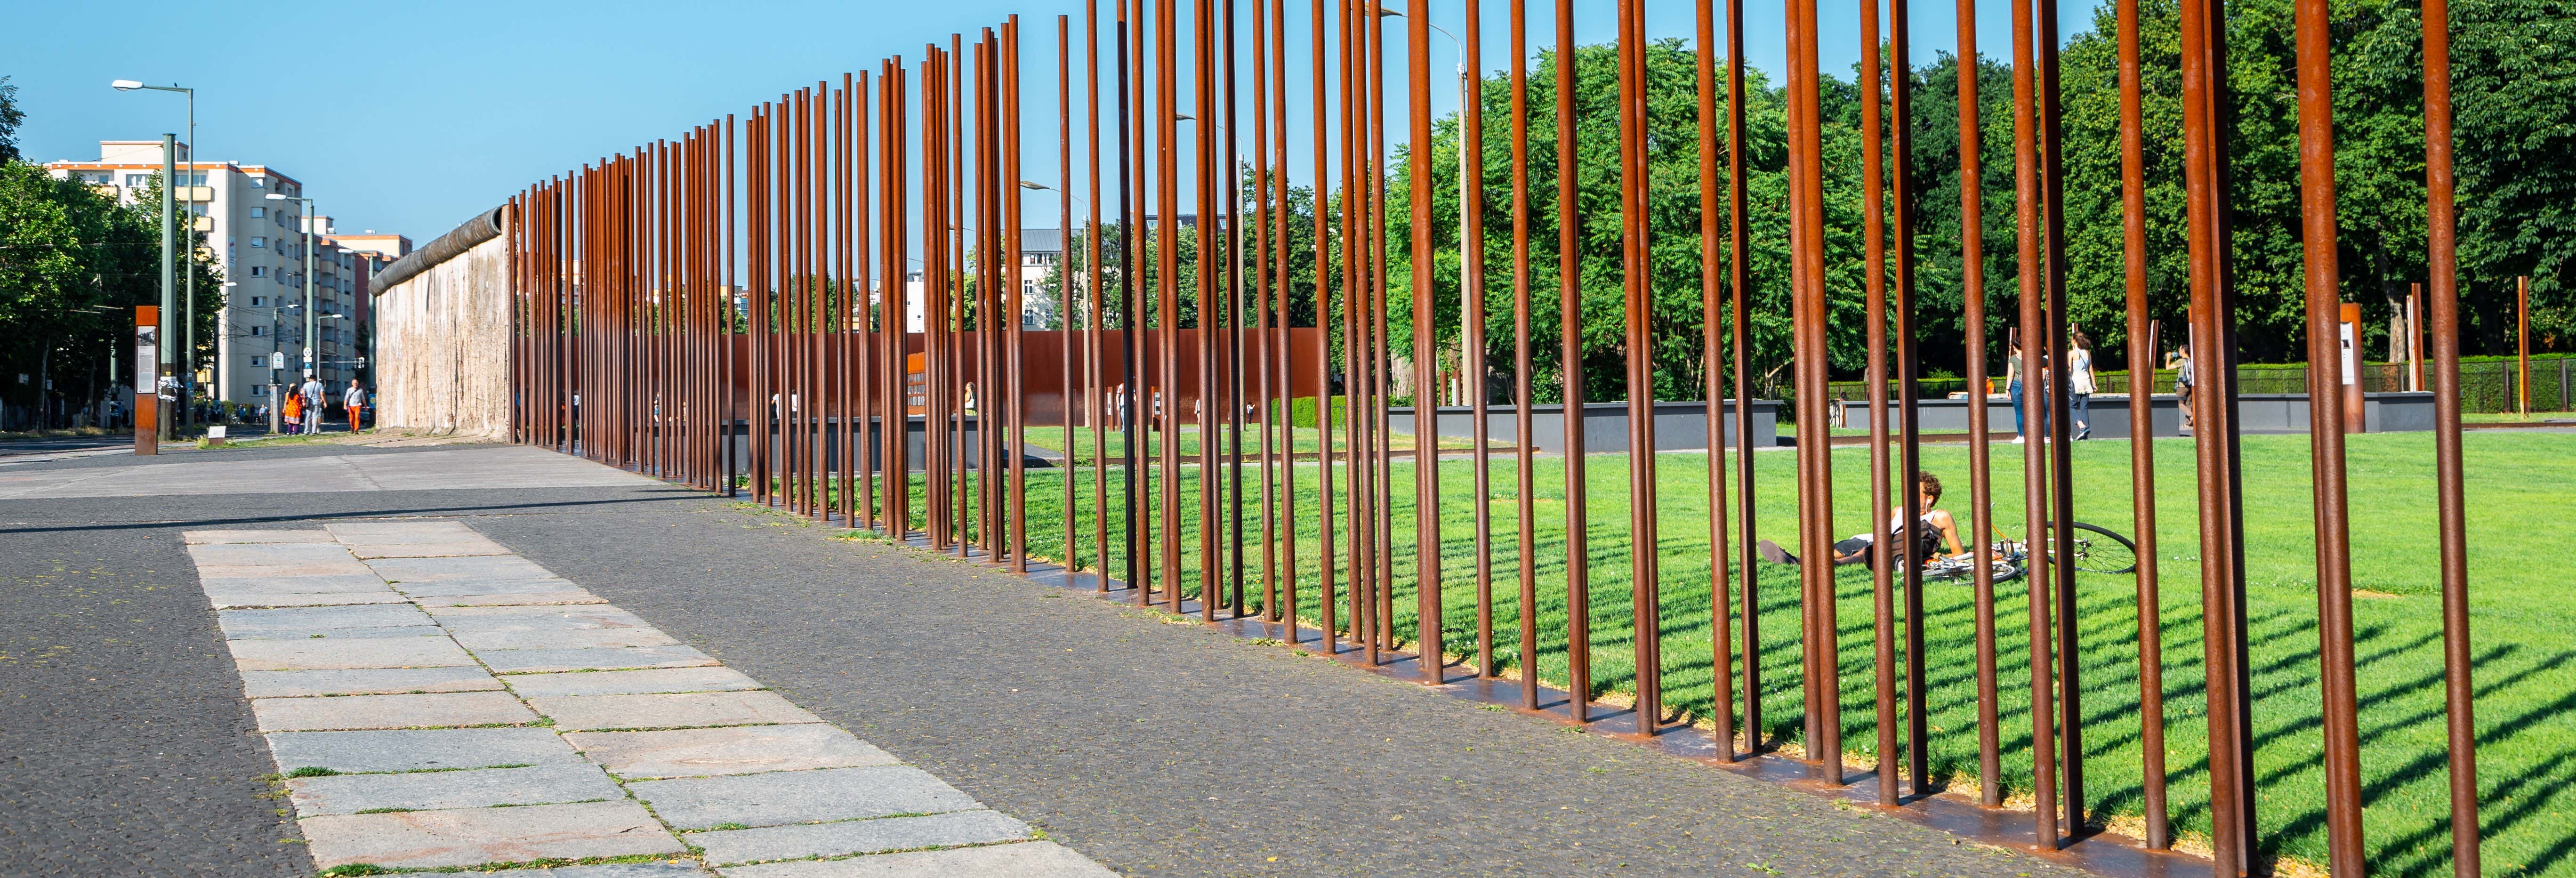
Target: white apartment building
<point>1040,250</point>
<point>258,245</point>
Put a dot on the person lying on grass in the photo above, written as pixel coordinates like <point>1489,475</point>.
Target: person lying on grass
<point>1935,530</point>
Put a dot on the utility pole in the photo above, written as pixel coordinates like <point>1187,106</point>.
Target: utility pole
<point>168,181</point>
<point>169,264</point>
<point>311,360</point>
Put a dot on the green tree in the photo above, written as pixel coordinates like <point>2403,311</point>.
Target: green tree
<point>73,264</point>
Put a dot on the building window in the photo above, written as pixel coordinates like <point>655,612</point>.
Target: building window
<point>259,182</point>
<point>257,241</point>
<point>258,330</point>
<point>257,361</point>
<point>259,271</point>
<point>258,212</point>
<point>138,181</point>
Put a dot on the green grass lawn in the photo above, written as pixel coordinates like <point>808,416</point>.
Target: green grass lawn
<point>1300,441</point>
<point>2521,494</point>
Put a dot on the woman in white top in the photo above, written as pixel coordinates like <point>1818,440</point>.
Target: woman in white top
<point>2079,380</point>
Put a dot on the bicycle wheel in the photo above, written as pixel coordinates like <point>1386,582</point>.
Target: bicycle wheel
<point>2112,553</point>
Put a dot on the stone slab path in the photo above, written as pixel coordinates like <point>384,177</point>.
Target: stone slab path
<point>434,700</point>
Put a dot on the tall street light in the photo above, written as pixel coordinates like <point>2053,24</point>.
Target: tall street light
<point>1466,103</point>
<point>312,360</point>
<point>167,181</point>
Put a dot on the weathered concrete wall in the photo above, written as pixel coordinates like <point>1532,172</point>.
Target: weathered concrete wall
<point>443,345</point>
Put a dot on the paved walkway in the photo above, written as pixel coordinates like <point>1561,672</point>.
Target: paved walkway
<point>436,701</point>
<point>248,472</point>
<point>132,740</point>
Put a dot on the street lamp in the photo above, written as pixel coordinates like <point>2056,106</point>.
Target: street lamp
<point>166,183</point>
<point>311,358</point>
<point>1466,98</point>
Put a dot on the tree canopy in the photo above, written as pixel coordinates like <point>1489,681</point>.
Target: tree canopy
<point>2514,86</point>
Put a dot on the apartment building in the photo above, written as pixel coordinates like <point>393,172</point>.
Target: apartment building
<point>258,244</point>
<point>1040,251</point>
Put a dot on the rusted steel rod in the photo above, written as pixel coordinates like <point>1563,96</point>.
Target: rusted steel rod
<point>1739,276</point>
<point>1426,409</point>
<point>1972,285</point>
<point>2060,389</point>
<point>1918,731</point>
<point>2223,640</point>
<point>1475,373</point>
<point>1882,555</point>
<point>1643,586</point>
<point>1569,303</point>
<point>1712,314</point>
<point>2031,345</point>
<point>2142,454</point>
<point>2341,710</point>
<point>1815,465</point>
<point>2442,281</point>
<point>1095,394</point>
<point>1524,483</point>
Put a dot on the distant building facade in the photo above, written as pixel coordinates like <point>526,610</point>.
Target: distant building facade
<point>258,246</point>
<point>1040,251</point>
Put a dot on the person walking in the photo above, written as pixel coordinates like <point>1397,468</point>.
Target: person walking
<point>313,396</point>
<point>2079,381</point>
<point>355,400</point>
<point>2012,387</point>
<point>2180,362</point>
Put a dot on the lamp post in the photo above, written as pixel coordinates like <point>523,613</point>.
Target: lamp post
<point>311,358</point>
<point>1466,98</point>
<point>168,180</point>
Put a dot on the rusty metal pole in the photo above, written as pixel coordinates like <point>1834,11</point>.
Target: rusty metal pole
<point>1284,359</point>
<point>1429,649</point>
<point>2033,339</point>
<point>1232,366</point>
<point>2341,710</point>
<point>1638,321</point>
<point>1569,303</point>
<point>1205,297</point>
<point>2442,280</point>
<point>1094,393</point>
<point>2205,98</point>
<point>2061,462</point>
<point>1918,730</point>
<point>1524,455</point>
<point>2142,447</point>
<point>1472,343</point>
<point>1065,280</point>
<point>1972,247</point>
<point>2522,344</point>
<point>1328,625</point>
<point>1713,386</point>
<point>1130,310</point>
<point>1815,467</point>
<point>1263,279</point>
<point>1739,248</point>
<point>1882,556</point>
<point>1167,290</point>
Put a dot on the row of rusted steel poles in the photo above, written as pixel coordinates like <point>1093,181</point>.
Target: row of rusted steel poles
<point>834,317</point>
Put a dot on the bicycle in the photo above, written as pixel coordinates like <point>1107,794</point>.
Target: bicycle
<point>2104,551</point>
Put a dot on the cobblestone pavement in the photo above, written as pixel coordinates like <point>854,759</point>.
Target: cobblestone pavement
<point>1152,748</point>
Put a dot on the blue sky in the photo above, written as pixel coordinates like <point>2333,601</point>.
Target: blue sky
<point>411,117</point>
